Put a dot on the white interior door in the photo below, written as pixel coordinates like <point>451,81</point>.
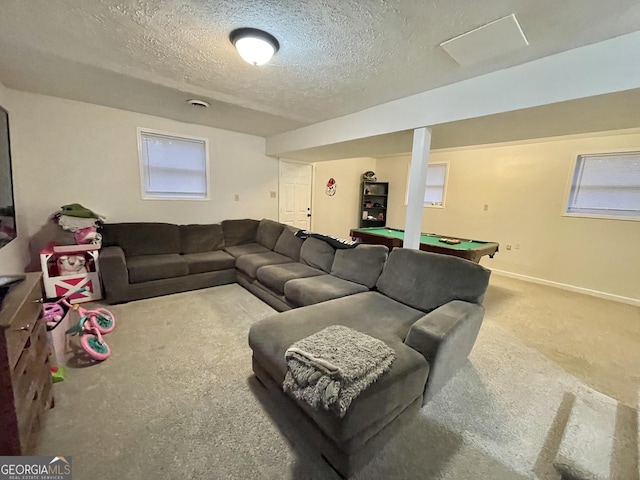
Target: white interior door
<point>295,194</point>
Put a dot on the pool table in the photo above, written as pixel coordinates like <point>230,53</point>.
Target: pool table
<point>472,250</point>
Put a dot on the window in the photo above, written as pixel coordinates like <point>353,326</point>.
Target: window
<point>434,190</point>
<point>173,167</point>
<point>606,185</point>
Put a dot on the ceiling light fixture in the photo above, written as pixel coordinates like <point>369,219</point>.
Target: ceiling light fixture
<point>254,46</point>
<point>197,103</point>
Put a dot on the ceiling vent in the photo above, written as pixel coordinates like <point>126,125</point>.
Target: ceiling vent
<point>198,103</point>
<point>484,43</point>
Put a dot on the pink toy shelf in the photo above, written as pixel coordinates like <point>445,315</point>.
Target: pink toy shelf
<point>56,285</point>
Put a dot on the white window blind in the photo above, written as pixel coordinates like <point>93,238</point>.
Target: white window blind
<point>434,188</point>
<point>435,185</point>
<point>173,166</point>
<point>606,185</point>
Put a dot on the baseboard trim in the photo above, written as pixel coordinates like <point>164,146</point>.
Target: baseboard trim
<point>572,288</point>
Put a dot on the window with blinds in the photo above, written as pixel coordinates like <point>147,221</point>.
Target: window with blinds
<point>606,185</point>
<point>435,186</point>
<point>173,167</point>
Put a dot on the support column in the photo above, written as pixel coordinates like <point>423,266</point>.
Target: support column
<point>417,180</point>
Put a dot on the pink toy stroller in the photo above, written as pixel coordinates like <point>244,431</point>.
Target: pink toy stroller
<point>91,326</point>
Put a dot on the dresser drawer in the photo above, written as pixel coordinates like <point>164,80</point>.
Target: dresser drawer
<point>29,368</point>
<point>38,396</point>
<point>18,335</point>
<point>25,376</point>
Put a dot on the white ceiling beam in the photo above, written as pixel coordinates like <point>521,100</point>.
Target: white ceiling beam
<point>605,67</point>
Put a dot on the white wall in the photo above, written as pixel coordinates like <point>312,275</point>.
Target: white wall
<point>338,214</point>
<point>14,256</point>
<point>67,151</point>
<point>524,186</point>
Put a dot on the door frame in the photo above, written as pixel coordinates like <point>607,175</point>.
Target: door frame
<point>313,176</point>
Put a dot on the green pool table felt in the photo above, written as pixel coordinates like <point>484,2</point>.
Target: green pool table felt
<point>428,238</point>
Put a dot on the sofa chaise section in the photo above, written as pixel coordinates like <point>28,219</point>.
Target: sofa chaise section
<point>427,308</point>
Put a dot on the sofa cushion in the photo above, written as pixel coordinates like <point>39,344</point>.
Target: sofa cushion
<point>307,291</point>
<point>142,238</point>
<point>362,264</point>
<point>268,233</point>
<point>249,264</point>
<point>209,261</point>
<point>275,276</point>
<point>288,244</point>
<point>377,316</point>
<point>201,238</point>
<point>238,232</point>
<point>317,254</point>
<point>246,249</point>
<point>144,268</point>
<point>426,280</point>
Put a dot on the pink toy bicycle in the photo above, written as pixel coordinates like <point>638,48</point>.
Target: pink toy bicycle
<point>91,326</point>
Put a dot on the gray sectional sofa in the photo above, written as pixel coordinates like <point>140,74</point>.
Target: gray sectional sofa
<point>141,260</point>
<point>427,307</point>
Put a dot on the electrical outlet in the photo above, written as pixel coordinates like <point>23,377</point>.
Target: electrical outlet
<point>486,207</point>
<point>517,246</point>
<point>272,194</point>
<point>237,197</point>
<point>508,246</point>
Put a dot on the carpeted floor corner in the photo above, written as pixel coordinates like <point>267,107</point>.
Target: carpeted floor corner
<point>177,399</point>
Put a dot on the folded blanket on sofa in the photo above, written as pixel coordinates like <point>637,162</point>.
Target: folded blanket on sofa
<point>333,366</point>
<point>335,242</point>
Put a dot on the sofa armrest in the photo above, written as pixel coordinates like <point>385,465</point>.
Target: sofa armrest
<point>445,337</point>
<point>113,269</point>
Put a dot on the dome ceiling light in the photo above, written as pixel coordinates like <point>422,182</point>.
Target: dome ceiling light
<point>198,103</point>
<point>254,46</point>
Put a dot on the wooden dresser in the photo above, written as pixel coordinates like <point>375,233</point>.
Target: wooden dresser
<point>25,377</point>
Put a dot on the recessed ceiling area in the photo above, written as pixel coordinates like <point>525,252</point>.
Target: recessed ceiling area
<point>616,111</point>
<point>335,57</point>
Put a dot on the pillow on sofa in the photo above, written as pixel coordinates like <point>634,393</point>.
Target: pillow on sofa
<point>426,280</point>
<point>201,238</point>
<point>362,264</point>
<point>268,233</point>
<point>143,238</point>
<point>317,254</point>
<point>288,244</point>
<point>239,232</point>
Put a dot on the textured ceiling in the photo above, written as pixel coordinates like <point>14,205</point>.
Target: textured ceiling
<point>335,57</point>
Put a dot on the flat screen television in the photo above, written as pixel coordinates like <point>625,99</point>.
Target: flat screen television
<point>7,207</point>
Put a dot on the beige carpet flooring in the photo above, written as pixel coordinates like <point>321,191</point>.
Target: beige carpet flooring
<point>177,399</point>
<point>594,339</point>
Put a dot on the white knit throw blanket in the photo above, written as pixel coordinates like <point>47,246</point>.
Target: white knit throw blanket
<point>330,368</point>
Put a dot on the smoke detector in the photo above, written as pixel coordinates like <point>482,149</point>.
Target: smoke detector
<point>198,103</point>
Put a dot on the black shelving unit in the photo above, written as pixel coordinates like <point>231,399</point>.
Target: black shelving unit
<point>373,200</point>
